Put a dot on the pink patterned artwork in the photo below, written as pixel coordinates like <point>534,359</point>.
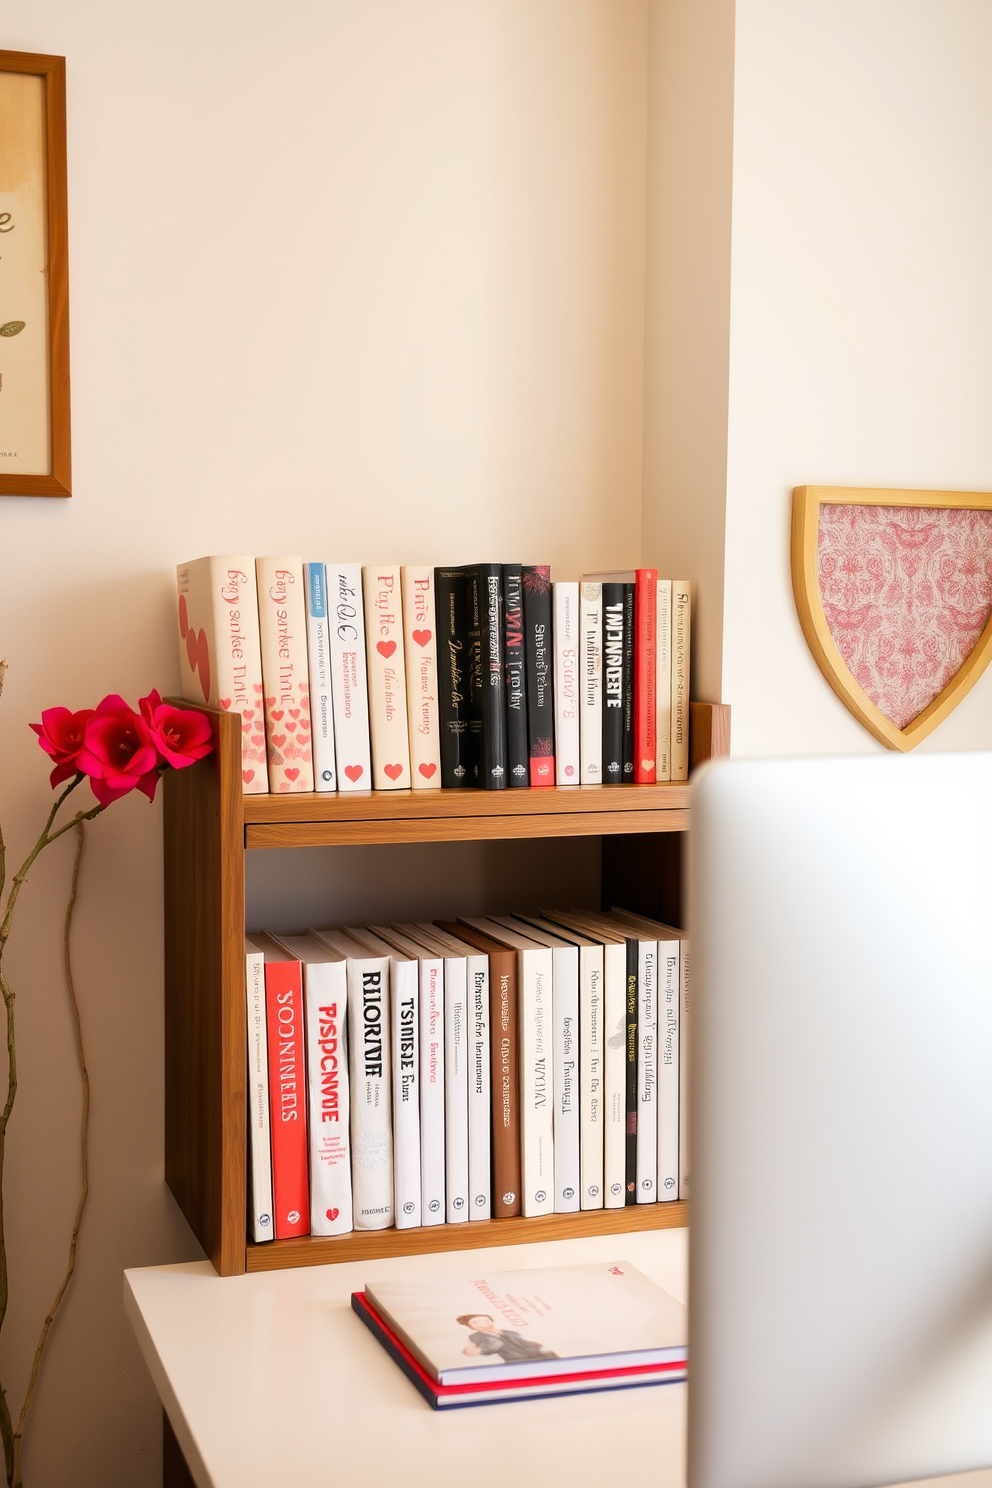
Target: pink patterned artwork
<point>906,592</point>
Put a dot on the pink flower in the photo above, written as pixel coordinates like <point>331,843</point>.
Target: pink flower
<point>119,752</point>
<point>182,735</point>
<point>60,734</point>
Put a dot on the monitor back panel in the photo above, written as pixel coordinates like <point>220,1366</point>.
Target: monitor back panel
<point>841,1168</point>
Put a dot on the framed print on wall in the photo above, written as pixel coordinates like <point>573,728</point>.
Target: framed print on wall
<point>894,594</point>
<point>34,278</point>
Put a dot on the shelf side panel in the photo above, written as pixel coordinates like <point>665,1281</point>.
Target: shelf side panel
<point>205,1020</point>
<point>644,873</point>
<point>709,732</point>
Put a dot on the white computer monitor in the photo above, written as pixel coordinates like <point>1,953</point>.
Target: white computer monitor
<point>841,1140</point>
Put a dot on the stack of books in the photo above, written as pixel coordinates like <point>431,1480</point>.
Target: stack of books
<point>453,1071</point>
<point>349,679</point>
<point>521,1335</point>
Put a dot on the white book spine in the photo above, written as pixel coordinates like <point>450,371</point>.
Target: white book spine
<point>432,1088</point>
<point>319,658</point>
<point>537,1146</point>
<point>591,1086</point>
<point>420,642</point>
<point>647,1072</point>
<point>566,639</point>
<point>591,680</point>
<point>404,1002</point>
<point>219,654</point>
<point>681,628</point>
<point>565,1002</point>
<point>456,1061</point>
<point>479,1094</point>
<point>282,628</point>
<point>684,1071</point>
<point>260,1190</point>
<point>325,994</point>
<point>371,1114</point>
<point>663,692</point>
<point>349,676</point>
<point>615,1075</point>
<point>669,997</point>
<point>387,678</point>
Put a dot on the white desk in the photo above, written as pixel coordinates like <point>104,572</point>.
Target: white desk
<point>272,1379</point>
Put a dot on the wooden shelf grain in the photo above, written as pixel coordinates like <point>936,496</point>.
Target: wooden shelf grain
<point>461,805</point>
<point>470,827</point>
<point>367,1245</point>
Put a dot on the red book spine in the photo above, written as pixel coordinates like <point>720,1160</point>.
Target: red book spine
<point>287,1097</point>
<point>645,674</point>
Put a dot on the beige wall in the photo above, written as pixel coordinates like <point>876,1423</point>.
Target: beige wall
<point>363,280</point>
<point>861,312</point>
<point>687,310</point>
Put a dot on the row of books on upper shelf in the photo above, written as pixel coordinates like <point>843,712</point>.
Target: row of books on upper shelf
<point>486,675</point>
<point>440,1072</point>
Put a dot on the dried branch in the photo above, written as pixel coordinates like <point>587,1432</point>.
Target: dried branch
<point>15,1477</point>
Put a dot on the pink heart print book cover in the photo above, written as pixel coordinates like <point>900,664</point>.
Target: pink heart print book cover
<point>219,655</point>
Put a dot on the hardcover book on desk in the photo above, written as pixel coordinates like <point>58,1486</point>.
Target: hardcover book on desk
<point>518,1334</point>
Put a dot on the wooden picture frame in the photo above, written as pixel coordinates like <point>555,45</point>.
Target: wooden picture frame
<point>807,501</point>
<point>34,418</point>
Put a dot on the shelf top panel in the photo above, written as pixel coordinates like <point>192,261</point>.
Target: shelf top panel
<point>463,805</point>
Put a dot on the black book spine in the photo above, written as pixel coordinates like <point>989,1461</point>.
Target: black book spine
<point>490,586</point>
<point>630,1164</point>
<point>515,676</point>
<point>453,677</point>
<point>473,613</point>
<point>613,684</point>
<point>628,684</point>
<point>539,652</point>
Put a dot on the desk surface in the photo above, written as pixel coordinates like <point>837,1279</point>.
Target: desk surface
<point>272,1379</point>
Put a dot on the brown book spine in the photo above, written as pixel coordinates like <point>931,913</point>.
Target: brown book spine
<point>504,1056</point>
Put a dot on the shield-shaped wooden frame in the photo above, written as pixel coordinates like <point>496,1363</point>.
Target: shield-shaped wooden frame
<point>806,503</point>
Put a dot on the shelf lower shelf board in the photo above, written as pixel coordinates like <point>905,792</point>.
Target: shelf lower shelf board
<point>367,1245</point>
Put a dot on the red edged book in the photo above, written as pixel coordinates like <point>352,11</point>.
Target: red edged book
<point>287,1089</point>
<point>498,1391</point>
<point>645,582</point>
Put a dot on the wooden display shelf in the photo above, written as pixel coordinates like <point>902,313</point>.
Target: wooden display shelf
<point>366,1245</point>
<point>209,825</point>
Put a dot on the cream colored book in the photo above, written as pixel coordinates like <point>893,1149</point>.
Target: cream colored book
<point>387,682</point>
<point>282,626</point>
<point>681,616</point>
<point>219,656</point>
<point>420,642</point>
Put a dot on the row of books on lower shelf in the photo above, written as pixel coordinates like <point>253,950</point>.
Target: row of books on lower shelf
<point>348,678</point>
<point>447,1072</point>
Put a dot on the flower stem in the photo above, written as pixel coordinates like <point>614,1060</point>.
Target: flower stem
<point>15,1477</point>
<point>12,1438</point>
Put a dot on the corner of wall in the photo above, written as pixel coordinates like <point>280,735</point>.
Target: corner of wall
<point>687,309</point>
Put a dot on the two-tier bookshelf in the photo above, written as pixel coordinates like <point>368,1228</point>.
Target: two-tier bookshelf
<point>210,826</point>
